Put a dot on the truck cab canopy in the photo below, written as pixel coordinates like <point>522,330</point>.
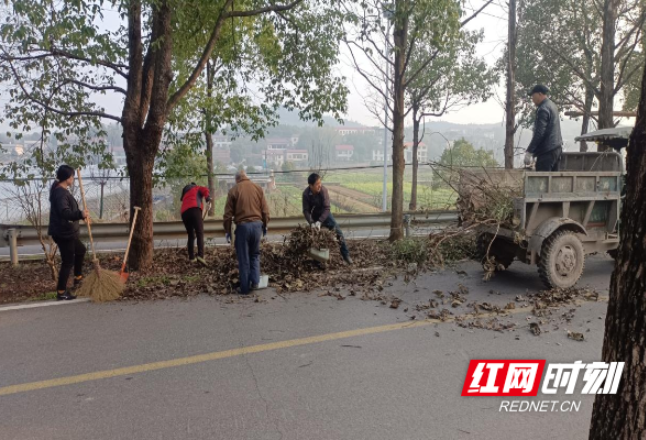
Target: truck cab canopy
<point>617,137</point>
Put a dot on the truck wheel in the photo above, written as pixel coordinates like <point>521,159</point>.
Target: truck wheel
<point>562,260</point>
<point>497,250</point>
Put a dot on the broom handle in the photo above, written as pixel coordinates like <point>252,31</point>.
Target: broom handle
<point>87,223</point>
<point>132,230</point>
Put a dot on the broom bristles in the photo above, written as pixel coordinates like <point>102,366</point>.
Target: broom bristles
<point>101,285</point>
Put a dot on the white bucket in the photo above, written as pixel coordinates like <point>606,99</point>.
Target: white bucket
<point>264,281</point>
<point>320,255</point>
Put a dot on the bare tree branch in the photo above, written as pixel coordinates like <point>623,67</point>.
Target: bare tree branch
<point>55,110</point>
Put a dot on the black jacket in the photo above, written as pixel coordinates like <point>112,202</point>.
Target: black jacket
<point>64,215</point>
<point>547,129</point>
<point>316,207</point>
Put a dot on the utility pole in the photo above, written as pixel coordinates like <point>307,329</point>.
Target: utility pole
<point>510,106</point>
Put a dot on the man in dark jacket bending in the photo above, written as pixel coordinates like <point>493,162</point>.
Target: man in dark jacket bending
<point>546,144</point>
<point>316,209</point>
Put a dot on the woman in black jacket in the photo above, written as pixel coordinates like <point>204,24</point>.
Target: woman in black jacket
<point>64,217</point>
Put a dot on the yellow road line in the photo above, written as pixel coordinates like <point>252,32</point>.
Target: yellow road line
<point>135,369</point>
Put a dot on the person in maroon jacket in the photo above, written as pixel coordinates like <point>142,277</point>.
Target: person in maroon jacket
<point>193,201</point>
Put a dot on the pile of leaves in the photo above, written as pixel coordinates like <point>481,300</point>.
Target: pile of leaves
<point>287,265</point>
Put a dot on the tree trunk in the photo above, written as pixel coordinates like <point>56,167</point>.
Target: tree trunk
<point>209,136</point>
<point>412,206</point>
<point>510,103</point>
<point>140,167</point>
<point>209,165</point>
<point>585,125</point>
<point>143,118</point>
<point>400,32</point>
<point>623,416</point>
<point>606,101</point>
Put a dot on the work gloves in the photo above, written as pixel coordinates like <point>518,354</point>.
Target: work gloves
<point>316,226</point>
<point>228,237</point>
<point>528,158</point>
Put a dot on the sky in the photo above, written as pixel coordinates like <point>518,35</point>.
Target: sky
<point>492,20</point>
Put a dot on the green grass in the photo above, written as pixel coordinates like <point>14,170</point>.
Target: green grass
<point>44,297</point>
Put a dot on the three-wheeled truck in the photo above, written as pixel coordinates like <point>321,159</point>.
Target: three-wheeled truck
<point>558,217</point>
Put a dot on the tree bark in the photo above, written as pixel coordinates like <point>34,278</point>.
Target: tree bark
<point>510,103</point>
<point>400,33</point>
<point>623,416</point>
<point>143,118</point>
<point>585,124</point>
<point>606,101</point>
<point>412,206</point>
<point>209,136</point>
<point>209,165</point>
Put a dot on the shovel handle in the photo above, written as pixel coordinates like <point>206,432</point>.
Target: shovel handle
<point>87,223</point>
<point>132,230</point>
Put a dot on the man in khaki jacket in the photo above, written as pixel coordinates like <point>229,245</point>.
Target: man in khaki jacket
<point>246,205</point>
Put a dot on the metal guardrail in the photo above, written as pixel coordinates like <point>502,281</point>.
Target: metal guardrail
<point>15,236</point>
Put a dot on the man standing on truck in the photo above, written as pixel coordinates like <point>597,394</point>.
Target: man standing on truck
<point>316,209</point>
<point>546,144</point>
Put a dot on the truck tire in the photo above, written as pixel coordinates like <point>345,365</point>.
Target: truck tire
<point>562,260</point>
<point>497,250</point>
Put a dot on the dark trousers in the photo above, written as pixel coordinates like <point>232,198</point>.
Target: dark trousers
<point>194,224</point>
<point>248,236</point>
<point>332,225</point>
<point>549,161</point>
<point>72,253</point>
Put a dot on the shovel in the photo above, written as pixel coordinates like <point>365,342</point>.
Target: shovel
<point>123,274</point>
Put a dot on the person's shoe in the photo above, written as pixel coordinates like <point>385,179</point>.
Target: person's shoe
<point>348,260</point>
<point>66,296</point>
<point>254,286</point>
<point>192,260</point>
<point>239,292</point>
<point>202,261</point>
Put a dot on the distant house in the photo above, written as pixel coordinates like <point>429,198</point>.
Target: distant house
<point>277,158</point>
<point>274,157</point>
<point>343,152</point>
<point>297,157</point>
<point>352,130</point>
<point>422,152</point>
<point>276,144</point>
<point>378,155</point>
<point>222,155</point>
<point>221,141</point>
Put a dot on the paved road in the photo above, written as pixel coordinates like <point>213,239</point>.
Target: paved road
<point>279,368</point>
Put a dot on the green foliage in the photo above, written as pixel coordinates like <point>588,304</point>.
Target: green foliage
<point>463,154</point>
<point>559,45</point>
<point>410,250</point>
<point>288,166</point>
<point>454,77</point>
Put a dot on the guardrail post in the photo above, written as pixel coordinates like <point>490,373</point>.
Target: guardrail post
<point>407,224</point>
<point>13,246</point>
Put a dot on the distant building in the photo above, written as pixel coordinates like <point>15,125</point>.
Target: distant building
<point>221,141</point>
<point>343,131</point>
<point>222,155</point>
<point>297,157</point>
<point>277,158</point>
<point>422,152</point>
<point>274,158</point>
<point>343,152</point>
<point>276,144</point>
